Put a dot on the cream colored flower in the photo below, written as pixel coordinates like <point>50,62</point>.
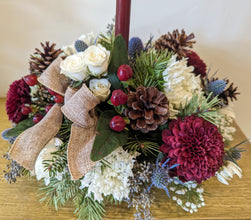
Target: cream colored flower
<point>96,57</point>
<point>100,88</point>
<point>180,83</point>
<point>74,67</point>
<point>112,179</point>
<point>45,154</point>
<point>227,172</point>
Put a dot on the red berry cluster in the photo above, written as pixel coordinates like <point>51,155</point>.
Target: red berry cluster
<point>31,80</point>
<point>119,97</point>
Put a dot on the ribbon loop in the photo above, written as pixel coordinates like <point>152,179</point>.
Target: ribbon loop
<point>79,108</point>
<point>28,145</point>
<point>52,79</point>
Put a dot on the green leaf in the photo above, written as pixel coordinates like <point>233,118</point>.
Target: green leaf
<point>106,139</point>
<point>20,127</point>
<point>119,54</point>
<point>114,80</point>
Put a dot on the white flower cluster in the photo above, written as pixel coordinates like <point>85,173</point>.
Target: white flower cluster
<point>224,123</point>
<point>182,196</point>
<point>227,172</point>
<point>180,83</point>
<point>45,154</point>
<point>92,61</point>
<point>112,179</point>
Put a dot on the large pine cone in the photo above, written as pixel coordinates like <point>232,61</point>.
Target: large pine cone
<point>147,109</point>
<point>176,42</point>
<point>40,60</point>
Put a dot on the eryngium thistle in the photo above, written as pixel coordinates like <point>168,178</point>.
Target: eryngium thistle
<point>217,87</point>
<point>135,46</point>
<point>80,46</point>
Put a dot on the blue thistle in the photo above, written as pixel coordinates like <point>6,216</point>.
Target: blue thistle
<point>217,87</point>
<point>80,46</point>
<point>135,46</point>
<point>160,177</point>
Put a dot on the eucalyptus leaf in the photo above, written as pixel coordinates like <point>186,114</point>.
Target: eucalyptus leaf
<point>19,128</point>
<point>119,54</point>
<point>106,139</point>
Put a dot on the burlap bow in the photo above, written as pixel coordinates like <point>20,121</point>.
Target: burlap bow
<point>79,108</point>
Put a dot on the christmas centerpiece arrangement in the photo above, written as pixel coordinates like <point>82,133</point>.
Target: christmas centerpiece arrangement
<point>97,123</point>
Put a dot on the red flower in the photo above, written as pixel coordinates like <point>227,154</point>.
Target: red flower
<point>194,60</point>
<point>196,145</point>
<point>18,94</point>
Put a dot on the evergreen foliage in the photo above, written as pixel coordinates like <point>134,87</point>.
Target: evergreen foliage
<point>149,67</point>
<point>202,107</point>
<point>87,207</point>
<point>59,191</point>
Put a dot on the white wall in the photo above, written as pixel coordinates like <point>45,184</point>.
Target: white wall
<point>222,30</point>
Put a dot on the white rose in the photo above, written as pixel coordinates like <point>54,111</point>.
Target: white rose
<point>74,67</point>
<point>96,57</point>
<point>100,88</point>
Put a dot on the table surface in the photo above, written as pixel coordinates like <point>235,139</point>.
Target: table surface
<point>20,200</point>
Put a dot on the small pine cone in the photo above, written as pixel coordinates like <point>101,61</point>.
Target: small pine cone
<point>176,42</point>
<point>147,109</point>
<point>40,60</point>
<point>229,93</point>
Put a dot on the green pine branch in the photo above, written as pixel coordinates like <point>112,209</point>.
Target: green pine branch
<point>202,107</point>
<point>58,192</point>
<point>145,146</point>
<point>149,67</point>
<point>87,207</point>
<point>58,162</point>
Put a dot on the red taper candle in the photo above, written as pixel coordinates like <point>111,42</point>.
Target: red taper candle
<point>122,23</point>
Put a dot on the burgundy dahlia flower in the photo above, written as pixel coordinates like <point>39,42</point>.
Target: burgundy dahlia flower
<point>18,95</point>
<point>196,145</point>
<point>194,60</point>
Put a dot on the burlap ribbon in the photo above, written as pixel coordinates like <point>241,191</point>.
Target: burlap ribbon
<point>79,108</point>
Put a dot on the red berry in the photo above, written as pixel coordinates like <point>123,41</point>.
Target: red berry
<point>118,97</point>
<point>48,107</point>
<point>31,79</point>
<point>59,99</point>
<point>37,118</point>
<point>124,72</point>
<point>117,123</point>
<point>51,92</point>
<point>26,110</point>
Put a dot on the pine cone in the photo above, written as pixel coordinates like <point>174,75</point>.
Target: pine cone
<point>229,93</point>
<point>176,42</point>
<point>40,60</point>
<point>147,109</point>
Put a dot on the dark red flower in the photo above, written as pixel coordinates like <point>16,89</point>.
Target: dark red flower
<point>196,145</point>
<point>194,60</point>
<point>18,94</point>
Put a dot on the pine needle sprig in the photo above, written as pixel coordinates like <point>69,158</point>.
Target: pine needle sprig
<point>145,146</point>
<point>87,207</point>
<point>202,107</point>
<point>149,67</point>
<point>65,130</point>
<point>58,192</point>
<point>58,162</point>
